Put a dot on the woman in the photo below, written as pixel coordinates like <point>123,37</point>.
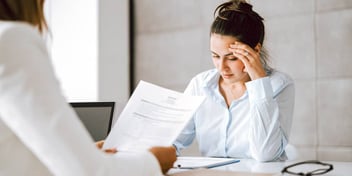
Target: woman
<point>249,106</point>
<point>40,133</point>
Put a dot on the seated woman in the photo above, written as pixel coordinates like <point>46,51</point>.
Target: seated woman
<point>248,108</point>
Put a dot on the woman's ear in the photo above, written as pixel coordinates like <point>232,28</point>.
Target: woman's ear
<point>258,48</point>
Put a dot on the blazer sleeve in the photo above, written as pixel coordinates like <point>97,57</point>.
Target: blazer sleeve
<point>34,108</point>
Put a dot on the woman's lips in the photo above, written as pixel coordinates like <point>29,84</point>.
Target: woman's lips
<point>227,75</point>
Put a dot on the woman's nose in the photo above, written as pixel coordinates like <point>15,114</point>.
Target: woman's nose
<point>222,63</point>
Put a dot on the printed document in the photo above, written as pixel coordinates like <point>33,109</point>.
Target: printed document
<point>153,116</point>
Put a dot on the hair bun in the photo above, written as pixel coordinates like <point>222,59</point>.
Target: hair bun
<point>239,6</point>
<point>245,7</point>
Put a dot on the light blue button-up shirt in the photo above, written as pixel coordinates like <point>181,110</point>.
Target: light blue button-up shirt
<point>257,125</point>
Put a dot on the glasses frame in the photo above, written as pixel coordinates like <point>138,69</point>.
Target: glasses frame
<point>314,172</point>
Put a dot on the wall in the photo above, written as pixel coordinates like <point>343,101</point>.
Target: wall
<point>90,48</point>
<point>113,51</point>
<point>310,40</point>
<point>74,50</point>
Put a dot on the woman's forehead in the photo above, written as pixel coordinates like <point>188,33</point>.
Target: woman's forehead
<point>221,41</point>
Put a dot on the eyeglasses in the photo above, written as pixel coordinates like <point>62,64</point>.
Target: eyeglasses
<point>325,167</point>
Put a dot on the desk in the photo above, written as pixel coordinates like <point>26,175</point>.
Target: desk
<point>255,168</point>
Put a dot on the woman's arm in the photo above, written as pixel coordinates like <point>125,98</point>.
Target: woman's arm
<point>271,117</point>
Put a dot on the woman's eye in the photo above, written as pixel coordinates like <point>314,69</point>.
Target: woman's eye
<point>216,57</point>
<point>232,58</point>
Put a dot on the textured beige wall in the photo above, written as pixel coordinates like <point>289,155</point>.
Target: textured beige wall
<point>309,39</point>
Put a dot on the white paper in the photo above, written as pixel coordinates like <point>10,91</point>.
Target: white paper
<point>153,116</point>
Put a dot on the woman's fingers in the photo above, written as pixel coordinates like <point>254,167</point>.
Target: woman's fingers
<point>100,144</point>
<point>244,50</point>
<point>165,155</point>
<point>250,59</point>
<point>112,150</point>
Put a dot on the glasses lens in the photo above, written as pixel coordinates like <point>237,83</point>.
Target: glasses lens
<point>307,168</point>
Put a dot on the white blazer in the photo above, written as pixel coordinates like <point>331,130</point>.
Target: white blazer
<point>39,132</point>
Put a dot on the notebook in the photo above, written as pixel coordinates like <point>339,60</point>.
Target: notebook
<point>97,117</point>
<point>210,172</point>
<point>202,162</point>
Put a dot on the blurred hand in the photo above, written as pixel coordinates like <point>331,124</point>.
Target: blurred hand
<point>100,144</point>
<point>166,157</point>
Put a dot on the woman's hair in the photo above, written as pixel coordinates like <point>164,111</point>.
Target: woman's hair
<point>30,11</point>
<point>236,18</point>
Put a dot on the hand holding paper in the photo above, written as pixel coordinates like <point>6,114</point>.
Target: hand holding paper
<point>154,116</point>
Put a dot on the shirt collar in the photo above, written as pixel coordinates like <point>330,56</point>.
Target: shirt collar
<point>212,79</point>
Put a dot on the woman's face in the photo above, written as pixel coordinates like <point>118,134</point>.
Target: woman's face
<point>230,68</point>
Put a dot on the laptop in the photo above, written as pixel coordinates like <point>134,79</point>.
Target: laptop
<point>96,116</point>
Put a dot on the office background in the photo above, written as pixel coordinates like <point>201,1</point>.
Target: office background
<point>310,40</point>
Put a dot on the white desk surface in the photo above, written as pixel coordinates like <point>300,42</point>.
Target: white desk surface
<point>263,168</point>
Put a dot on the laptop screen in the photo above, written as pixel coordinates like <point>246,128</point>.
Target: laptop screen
<point>96,116</point>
